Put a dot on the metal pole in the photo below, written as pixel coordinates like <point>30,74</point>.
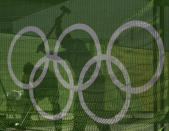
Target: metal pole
<point>155,63</point>
<point>162,84</point>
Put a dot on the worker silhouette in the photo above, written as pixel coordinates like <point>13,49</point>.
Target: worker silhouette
<point>48,88</point>
<point>76,54</point>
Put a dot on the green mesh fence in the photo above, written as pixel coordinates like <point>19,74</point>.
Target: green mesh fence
<point>77,81</point>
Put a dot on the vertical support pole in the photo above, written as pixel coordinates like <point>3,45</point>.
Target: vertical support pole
<point>155,63</point>
<point>162,82</point>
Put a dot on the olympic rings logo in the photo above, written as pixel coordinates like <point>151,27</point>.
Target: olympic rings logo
<point>96,59</point>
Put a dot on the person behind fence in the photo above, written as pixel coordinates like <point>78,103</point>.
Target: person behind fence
<point>76,54</point>
<point>48,88</point>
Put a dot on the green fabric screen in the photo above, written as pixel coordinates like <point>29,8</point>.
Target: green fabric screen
<point>135,51</point>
